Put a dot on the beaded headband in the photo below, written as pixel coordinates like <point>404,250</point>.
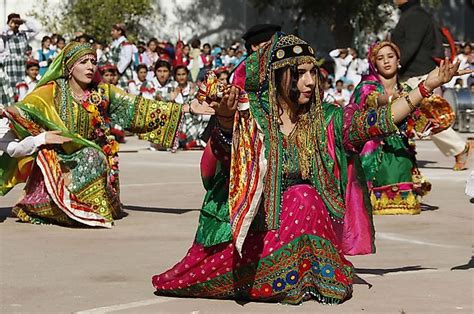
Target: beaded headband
<point>75,51</point>
<point>291,50</point>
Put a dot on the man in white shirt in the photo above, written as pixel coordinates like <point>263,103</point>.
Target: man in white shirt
<point>342,59</point>
<point>356,68</point>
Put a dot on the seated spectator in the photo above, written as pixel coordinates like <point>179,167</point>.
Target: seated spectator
<point>109,74</point>
<point>340,94</point>
<point>162,86</point>
<point>61,43</point>
<point>45,55</point>
<point>138,85</point>
<point>230,59</point>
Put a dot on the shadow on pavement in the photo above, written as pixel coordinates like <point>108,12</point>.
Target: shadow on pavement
<point>5,212</point>
<point>427,207</point>
<point>176,211</point>
<point>425,163</point>
<point>384,271</point>
<point>361,281</point>
<point>467,266</point>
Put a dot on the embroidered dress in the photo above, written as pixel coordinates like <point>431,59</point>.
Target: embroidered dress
<point>394,180</point>
<point>76,184</point>
<point>280,212</point>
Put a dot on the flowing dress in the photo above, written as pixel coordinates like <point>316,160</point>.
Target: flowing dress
<point>76,184</point>
<point>394,180</point>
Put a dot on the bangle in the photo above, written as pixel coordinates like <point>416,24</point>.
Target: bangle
<point>410,104</point>
<point>425,93</point>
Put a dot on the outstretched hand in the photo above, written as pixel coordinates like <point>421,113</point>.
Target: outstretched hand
<point>228,104</point>
<point>201,108</point>
<point>54,137</point>
<point>444,73</point>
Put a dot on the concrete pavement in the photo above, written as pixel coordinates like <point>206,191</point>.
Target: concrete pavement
<point>51,269</point>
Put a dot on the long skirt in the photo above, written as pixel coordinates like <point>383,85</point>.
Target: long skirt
<point>69,190</point>
<point>394,180</point>
<point>298,261</point>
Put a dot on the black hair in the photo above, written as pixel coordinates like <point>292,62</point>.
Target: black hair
<point>196,43</point>
<point>141,66</point>
<point>12,16</point>
<point>44,39</point>
<point>224,72</point>
<point>61,38</point>
<point>180,67</point>
<point>162,64</point>
<point>340,81</point>
<point>207,45</point>
<point>153,40</point>
<point>290,93</point>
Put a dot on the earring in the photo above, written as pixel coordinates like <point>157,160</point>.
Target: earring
<point>399,66</point>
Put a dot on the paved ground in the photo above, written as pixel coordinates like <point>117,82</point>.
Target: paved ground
<point>423,263</point>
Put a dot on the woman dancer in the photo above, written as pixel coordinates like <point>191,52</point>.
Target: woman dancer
<point>76,184</point>
<point>283,205</point>
<point>389,164</point>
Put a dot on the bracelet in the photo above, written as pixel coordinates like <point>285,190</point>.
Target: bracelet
<point>425,93</point>
<point>410,104</point>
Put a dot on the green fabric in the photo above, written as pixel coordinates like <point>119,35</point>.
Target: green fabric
<point>214,226</point>
<point>396,163</point>
<point>8,166</point>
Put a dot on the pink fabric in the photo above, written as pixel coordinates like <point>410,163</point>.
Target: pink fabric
<point>356,233</point>
<point>303,213</point>
<point>240,76</point>
<point>208,163</point>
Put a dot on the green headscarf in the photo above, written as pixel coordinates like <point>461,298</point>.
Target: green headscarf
<point>65,61</point>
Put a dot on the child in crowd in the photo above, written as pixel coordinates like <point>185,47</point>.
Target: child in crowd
<point>193,125</point>
<point>340,94</point>
<point>108,73</point>
<point>162,86</point>
<point>45,55</point>
<point>195,63</point>
<point>31,79</point>
<point>138,85</point>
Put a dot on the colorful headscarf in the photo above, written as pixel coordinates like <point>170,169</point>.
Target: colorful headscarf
<point>73,53</point>
<point>372,55</point>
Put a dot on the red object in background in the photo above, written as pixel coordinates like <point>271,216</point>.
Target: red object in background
<point>452,46</point>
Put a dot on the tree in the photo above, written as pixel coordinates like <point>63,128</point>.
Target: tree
<point>342,16</point>
<point>96,17</point>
